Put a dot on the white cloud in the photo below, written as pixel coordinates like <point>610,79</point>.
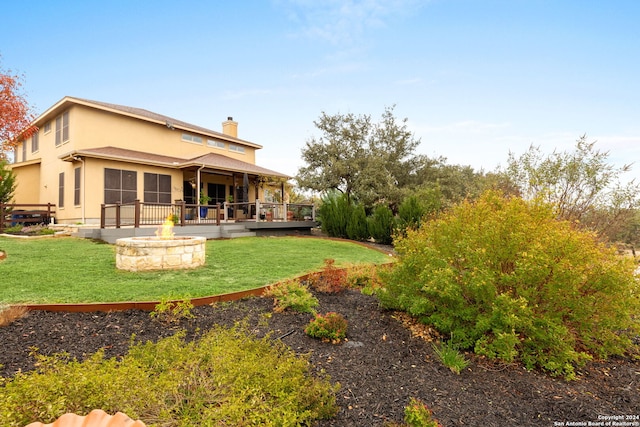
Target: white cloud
<point>343,21</point>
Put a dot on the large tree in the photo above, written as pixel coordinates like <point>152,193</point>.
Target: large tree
<point>370,162</point>
<point>15,113</point>
<point>583,185</point>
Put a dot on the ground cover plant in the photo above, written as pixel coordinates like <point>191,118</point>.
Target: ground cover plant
<point>381,367</point>
<point>506,279</point>
<point>30,230</point>
<point>78,270</point>
<point>224,377</point>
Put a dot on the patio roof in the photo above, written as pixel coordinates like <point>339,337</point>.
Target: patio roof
<point>209,161</point>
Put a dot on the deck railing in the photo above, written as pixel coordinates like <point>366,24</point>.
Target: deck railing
<point>138,213</point>
<point>269,211</point>
<point>25,214</point>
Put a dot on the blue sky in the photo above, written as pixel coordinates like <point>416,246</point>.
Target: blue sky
<point>475,78</point>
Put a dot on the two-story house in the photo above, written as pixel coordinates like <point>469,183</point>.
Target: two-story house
<point>88,153</point>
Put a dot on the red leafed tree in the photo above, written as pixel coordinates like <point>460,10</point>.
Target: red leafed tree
<point>15,113</point>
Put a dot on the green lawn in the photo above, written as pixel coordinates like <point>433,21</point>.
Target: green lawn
<point>76,270</point>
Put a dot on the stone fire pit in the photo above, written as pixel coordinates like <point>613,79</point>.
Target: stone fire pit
<point>158,253</point>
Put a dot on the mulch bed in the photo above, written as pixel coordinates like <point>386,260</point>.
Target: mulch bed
<point>379,368</point>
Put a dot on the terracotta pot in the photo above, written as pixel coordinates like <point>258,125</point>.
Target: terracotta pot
<point>96,418</point>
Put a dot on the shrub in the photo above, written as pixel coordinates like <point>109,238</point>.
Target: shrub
<point>416,414</point>
<point>364,277</point>
<point>330,279</point>
<point>292,295</point>
<point>381,224</point>
<point>226,377</point>
<point>172,311</point>
<point>334,213</point>
<point>410,212</point>
<point>37,230</point>
<point>510,281</point>
<point>357,226</point>
<point>329,327</point>
<point>32,230</point>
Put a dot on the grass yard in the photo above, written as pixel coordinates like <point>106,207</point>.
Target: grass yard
<point>74,270</point>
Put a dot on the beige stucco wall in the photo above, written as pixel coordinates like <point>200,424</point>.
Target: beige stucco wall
<point>28,184</point>
<point>95,128</point>
<point>91,128</point>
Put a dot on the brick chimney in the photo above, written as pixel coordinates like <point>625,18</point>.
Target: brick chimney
<point>229,127</point>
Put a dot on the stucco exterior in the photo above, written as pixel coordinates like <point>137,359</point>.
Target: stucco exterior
<point>79,142</point>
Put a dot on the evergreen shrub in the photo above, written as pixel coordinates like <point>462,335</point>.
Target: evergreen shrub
<point>381,225</point>
<point>334,213</point>
<point>510,281</point>
<point>357,228</point>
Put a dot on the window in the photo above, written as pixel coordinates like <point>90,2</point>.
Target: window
<point>35,143</point>
<point>61,190</point>
<point>62,128</point>
<point>157,188</point>
<point>47,127</point>
<point>76,186</point>
<point>191,138</point>
<point>120,186</point>
<point>216,192</point>
<point>24,151</point>
<point>215,144</point>
<point>236,148</point>
<point>272,196</point>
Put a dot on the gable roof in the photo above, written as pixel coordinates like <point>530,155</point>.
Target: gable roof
<point>212,161</point>
<point>140,114</point>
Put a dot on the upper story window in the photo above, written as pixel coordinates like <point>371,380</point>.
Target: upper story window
<point>192,138</point>
<point>35,143</point>
<point>215,144</point>
<point>236,148</point>
<point>62,128</point>
<point>24,151</point>
<point>47,127</point>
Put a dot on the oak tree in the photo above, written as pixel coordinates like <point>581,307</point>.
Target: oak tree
<point>369,162</point>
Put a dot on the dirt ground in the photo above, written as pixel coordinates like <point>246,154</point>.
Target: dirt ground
<point>379,368</point>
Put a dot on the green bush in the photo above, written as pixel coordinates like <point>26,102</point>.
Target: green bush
<point>381,224</point>
<point>410,212</point>
<point>292,295</point>
<point>357,226</point>
<point>334,213</point>
<point>510,281</point>
<point>172,310</point>
<point>416,414</point>
<point>328,327</point>
<point>226,377</point>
